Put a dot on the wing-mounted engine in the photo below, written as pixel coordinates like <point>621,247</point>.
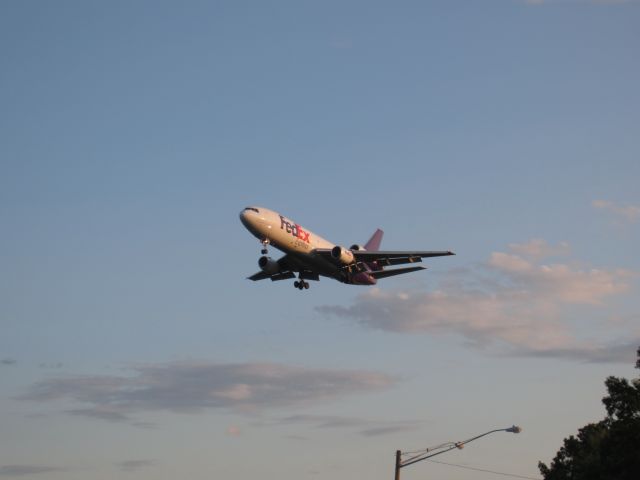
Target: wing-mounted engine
<point>268,265</point>
<point>357,248</point>
<point>342,255</point>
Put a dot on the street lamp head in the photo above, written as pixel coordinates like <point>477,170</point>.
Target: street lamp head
<point>513,429</point>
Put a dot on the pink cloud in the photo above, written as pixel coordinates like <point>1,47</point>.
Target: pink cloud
<point>628,213</point>
<point>537,249</point>
<point>508,303</point>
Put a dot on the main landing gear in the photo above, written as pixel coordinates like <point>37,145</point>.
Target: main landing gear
<point>301,284</point>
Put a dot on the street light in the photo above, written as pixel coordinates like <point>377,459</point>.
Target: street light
<point>420,455</point>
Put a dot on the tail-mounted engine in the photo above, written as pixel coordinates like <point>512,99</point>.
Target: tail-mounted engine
<point>342,255</point>
<point>268,265</point>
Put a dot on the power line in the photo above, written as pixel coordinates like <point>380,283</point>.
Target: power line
<point>486,471</point>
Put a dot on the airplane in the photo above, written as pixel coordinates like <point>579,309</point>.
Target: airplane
<point>311,256</point>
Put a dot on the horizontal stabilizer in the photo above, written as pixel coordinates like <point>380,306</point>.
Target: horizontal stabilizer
<point>396,271</point>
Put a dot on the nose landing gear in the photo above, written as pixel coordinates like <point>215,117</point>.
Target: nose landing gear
<point>265,243</point>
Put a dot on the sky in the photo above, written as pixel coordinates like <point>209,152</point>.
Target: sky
<point>133,133</point>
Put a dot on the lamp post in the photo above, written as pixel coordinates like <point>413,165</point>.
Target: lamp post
<point>420,455</point>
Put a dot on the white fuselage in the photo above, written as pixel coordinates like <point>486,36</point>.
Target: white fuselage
<point>281,232</point>
<point>289,237</point>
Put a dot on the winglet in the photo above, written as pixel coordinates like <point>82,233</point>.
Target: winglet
<point>374,242</point>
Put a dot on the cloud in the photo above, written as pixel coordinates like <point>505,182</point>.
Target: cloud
<point>560,283</point>
<point>387,430</point>
<point>27,470</point>
<point>507,305</point>
<point>616,352</point>
<point>537,249</point>
<point>8,361</point>
<point>101,412</point>
<point>194,387</point>
<point>233,431</point>
<point>134,465</point>
<point>108,413</point>
<point>627,213</point>
<point>367,428</point>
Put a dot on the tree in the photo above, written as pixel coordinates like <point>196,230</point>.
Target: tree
<point>609,449</point>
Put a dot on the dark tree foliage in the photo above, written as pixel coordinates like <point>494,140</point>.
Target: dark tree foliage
<point>609,449</point>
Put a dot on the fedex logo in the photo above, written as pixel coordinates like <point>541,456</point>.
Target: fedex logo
<point>295,230</point>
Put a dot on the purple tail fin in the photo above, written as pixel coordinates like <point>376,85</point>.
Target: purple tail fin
<point>374,242</point>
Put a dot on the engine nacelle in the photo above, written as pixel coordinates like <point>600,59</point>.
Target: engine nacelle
<point>268,265</point>
<point>357,248</point>
<point>342,255</point>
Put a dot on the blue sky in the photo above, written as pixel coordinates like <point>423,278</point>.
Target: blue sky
<point>133,133</point>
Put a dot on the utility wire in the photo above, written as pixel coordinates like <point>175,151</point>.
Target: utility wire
<point>486,471</point>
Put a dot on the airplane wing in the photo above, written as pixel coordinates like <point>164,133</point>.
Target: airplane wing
<point>288,269</point>
<point>366,256</point>
<point>385,258</point>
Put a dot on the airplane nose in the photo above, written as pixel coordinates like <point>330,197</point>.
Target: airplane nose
<point>248,217</point>
<point>244,217</point>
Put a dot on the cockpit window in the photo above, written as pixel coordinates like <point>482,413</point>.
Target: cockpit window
<point>252,209</point>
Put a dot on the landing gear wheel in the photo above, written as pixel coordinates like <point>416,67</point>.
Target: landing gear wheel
<point>296,284</point>
<point>305,285</point>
